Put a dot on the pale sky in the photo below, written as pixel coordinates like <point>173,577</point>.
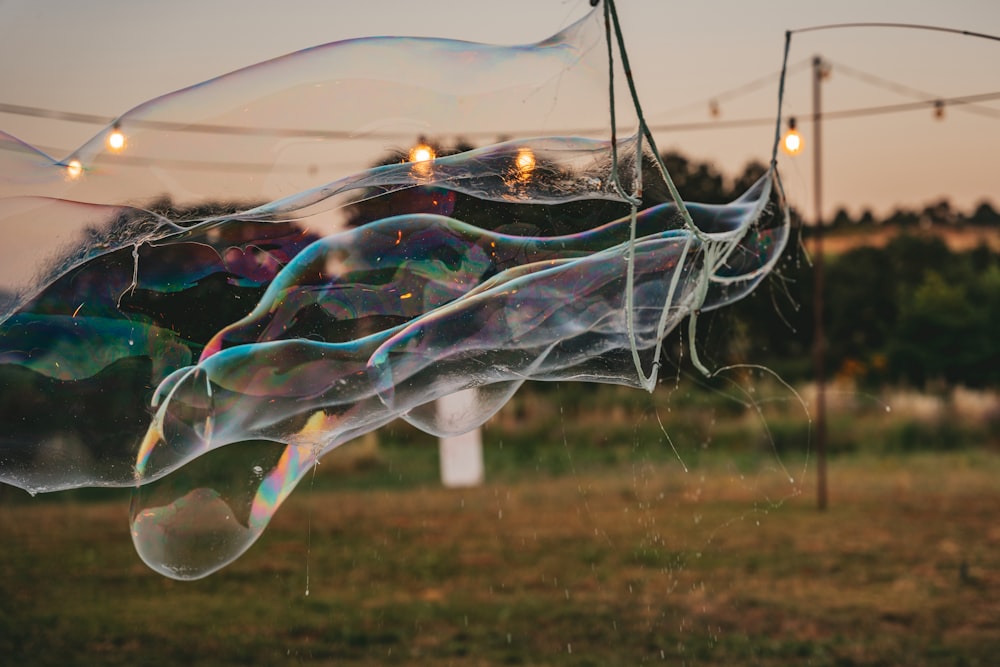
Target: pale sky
<point>106,57</point>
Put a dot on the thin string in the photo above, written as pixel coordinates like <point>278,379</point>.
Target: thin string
<point>781,98</point>
<point>911,26</point>
<point>779,185</point>
<point>611,10</point>
<point>648,382</point>
<point>615,177</point>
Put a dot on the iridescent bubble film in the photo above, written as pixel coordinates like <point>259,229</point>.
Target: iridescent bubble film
<point>232,280</point>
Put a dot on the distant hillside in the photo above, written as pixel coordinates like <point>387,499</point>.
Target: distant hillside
<point>958,239</point>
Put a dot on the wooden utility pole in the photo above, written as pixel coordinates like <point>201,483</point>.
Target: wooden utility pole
<point>819,339</point>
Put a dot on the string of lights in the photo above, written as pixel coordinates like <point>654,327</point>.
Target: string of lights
<point>752,86</point>
<point>117,140</point>
<point>792,141</point>
<point>283,132</point>
<point>842,114</point>
<point>929,102</point>
<point>905,90</point>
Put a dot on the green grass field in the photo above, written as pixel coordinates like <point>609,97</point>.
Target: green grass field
<point>634,561</point>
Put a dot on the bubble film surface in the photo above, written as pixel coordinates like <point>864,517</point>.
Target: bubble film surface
<point>284,258</point>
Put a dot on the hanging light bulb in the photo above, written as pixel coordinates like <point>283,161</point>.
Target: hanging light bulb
<point>422,152</point>
<point>422,156</point>
<point>116,139</point>
<point>792,142</point>
<point>938,109</point>
<point>713,108</point>
<point>525,163</point>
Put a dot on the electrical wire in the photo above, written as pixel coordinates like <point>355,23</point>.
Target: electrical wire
<point>904,90</point>
<point>739,91</point>
<point>910,26</point>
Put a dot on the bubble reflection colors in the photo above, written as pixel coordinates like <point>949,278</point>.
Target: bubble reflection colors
<point>205,334</point>
<point>461,308</point>
<point>283,126</point>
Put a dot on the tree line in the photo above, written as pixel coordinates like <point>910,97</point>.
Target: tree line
<point>912,311</point>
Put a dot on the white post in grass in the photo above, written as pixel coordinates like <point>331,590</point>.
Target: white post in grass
<point>461,455</point>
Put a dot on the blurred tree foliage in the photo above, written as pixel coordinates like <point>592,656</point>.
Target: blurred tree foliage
<point>912,311</point>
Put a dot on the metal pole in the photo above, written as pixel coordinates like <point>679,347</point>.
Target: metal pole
<point>819,340</point>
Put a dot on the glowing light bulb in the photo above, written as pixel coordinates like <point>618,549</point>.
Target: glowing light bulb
<point>792,142</point>
<point>525,163</point>
<point>421,153</point>
<point>116,140</point>
<point>74,169</point>
<point>422,156</point>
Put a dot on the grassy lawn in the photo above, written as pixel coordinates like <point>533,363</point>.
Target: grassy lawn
<point>636,562</point>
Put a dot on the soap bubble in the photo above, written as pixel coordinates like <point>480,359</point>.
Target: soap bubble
<point>287,257</point>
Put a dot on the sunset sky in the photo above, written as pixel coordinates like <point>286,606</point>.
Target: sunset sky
<point>104,58</point>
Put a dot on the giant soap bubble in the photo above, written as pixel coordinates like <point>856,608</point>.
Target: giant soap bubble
<point>231,280</point>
